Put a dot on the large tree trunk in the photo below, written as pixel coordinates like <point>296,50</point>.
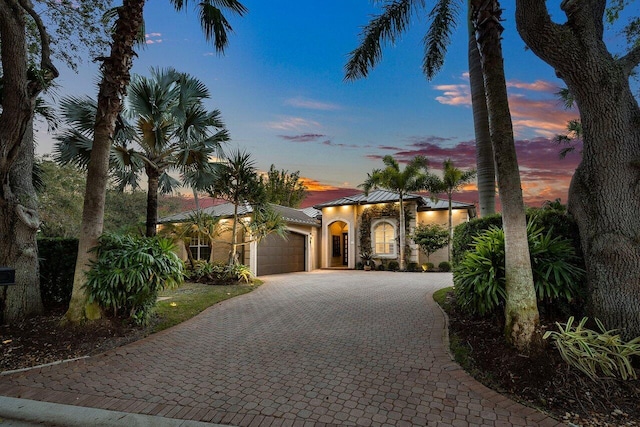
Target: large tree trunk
<point>116,75</point>
<point>152,201</point>
<point>604,196</point>
<point>521,310</point>
<point>402,231</point>
<point>18,203</point>
<point>486,177</point>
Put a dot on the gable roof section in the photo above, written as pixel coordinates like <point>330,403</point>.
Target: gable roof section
<point>384,196</point>
<point>225,210</point>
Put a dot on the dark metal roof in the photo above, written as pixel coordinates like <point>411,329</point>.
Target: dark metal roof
<point>384,196</point>
<point>225,210</point>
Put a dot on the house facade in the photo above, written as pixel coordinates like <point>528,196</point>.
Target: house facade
<point>333,234</point>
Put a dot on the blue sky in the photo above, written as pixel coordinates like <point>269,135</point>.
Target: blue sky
<point>281,92</point>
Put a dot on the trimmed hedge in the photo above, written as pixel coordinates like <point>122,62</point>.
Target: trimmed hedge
<point>57,259</point>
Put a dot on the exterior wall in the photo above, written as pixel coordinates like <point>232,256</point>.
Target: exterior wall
<point>440,217</point>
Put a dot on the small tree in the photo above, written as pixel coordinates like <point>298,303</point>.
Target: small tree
<point>430,238</point>
<point>284,188</point>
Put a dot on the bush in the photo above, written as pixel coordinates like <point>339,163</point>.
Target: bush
<point>359,265</point>
<point>393,266</point>
<point>428,266</point>
<point>413,267</point>
<point>444,266</point>
<point>592,352</point>
<point>239,273</point>
<point>57,259</point>
<point>464,234</point>
<point>219,273</point>
<point>129,272</point>
<point>381,267</point>
<point>479,277</point>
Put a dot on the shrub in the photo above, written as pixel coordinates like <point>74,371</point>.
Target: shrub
<point>444,266</point>
<point>592,352</point>
<point>57,259</point>
<point>359,265</point>
<point>413,267</point>
<point>381,267</point>
<point>239,273</point>
<point>428,266</point>
<point>430,238</point>
<point>393,266</point>
<point>129,272</point>
<point>464,234</point>
<point>479,277</point>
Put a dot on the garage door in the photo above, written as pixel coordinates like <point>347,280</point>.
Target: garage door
<point>276,255</point>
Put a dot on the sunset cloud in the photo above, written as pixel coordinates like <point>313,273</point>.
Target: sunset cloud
<point>454,94</point>
<point>293,123</point>
<point>305,137</point>
<point>538,86</point>
<point>311,104</point>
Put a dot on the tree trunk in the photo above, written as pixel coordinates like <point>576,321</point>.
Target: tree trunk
<point>233,256</point>
<point>521,310</point>
<point>604,196</point>
<point>449,196</point>
<point>152,201</point>
<point>18,202</point>
<point>402,231</point>
<point>116,75</point>
<point>486,177</point>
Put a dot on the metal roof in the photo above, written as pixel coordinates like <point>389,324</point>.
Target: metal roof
<point>384,196</point>
<point>225,210</point>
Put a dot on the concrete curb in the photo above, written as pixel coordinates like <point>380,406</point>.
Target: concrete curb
<point>53,414</point>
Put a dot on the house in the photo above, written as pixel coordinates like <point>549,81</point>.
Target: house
<point>332,234</point>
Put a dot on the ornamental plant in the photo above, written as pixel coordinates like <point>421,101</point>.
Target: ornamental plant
<point>129,272</point>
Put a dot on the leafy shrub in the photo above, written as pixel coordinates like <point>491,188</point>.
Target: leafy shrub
<point>381,267</point>
<point>464,234</point>
<point>359,265</point>
<point>430,238</point>
<point>239,273</point>
<point>57,258</point>
<point>444,266</point>
<point>130,271</point>
<point>413,267</point>
<point>479,278</point>
<point>592,352</point>
<point>219,273</point>
<point>393,266</point>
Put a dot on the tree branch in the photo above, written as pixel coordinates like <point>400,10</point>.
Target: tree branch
<point>45,50</point>
<point>630,60</point>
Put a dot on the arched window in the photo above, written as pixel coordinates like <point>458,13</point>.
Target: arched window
<point>384,239</point>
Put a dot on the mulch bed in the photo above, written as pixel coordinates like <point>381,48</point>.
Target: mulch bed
<point>543,381</point>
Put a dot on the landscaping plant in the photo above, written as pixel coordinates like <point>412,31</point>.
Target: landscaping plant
<point>430,238</point>
<point>130,271</point>
<point>595,352</point>
<point>479,276</point>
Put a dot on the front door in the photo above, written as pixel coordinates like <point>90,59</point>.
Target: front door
<point>345,251</point>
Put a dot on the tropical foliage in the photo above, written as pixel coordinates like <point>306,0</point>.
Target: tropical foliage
<point>129,272</point>
<point>430,238</point>
<point>284,188</point>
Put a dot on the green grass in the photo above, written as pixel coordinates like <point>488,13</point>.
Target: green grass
<point>190,299</point>
<point>440,296</point>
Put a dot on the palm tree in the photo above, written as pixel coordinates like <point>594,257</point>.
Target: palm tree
<point>172,132</point>
<point>521,310</point>
<point>115,79</point>
<point>412,178</point>
<point>236,180</point>
<point>451,181</point>
<point>388,26</point>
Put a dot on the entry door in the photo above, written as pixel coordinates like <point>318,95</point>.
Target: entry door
<point>345,251</point>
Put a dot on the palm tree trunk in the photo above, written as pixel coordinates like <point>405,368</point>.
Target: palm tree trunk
<point>152,201</point>
<point>402,231</point>
<point>450,195</point>
<point>116,75</point>
<point>486,177</point>
<point>521,311</point>
<point>233,256</point>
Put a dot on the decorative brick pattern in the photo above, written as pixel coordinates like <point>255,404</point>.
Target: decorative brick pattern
<point>305,349</point>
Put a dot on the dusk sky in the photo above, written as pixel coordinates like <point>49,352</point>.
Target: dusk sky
<point>281,92</point>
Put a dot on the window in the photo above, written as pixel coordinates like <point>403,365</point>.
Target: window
<point>199,249</point>
<point>384,235</point>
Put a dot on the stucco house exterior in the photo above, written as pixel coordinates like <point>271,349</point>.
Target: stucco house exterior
<point>332,234</point>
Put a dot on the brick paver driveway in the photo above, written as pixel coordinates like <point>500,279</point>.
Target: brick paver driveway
<point>327,347</point>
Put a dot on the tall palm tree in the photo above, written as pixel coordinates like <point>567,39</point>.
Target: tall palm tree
<point>521,310</point>
<point>451,181</point>
<point>388,26</point>
<point>412,178</point>
<point>115,79</point>
<point>172,132</point>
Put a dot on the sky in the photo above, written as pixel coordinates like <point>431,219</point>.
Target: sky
<point>281,92</point>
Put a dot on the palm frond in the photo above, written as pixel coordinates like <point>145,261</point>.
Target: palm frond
<point>443,22</point>
<point>384,28</point>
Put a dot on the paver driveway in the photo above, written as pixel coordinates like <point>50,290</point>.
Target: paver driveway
<point>327,347</point>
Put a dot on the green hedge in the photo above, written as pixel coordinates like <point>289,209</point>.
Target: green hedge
<point>57,258</point>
